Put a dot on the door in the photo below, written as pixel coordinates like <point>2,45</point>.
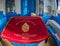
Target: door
<point>10,5</point>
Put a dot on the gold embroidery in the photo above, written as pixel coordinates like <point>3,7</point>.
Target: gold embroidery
<point>26,35</point>
<point>25,27</point>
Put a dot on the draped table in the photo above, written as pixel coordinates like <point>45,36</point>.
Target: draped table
<point>25,30</point>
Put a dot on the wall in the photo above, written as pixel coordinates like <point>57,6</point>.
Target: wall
<point>53,5</point>
<point>59,6</point>
<point>2,6</point>
<point>37,7</point>
<point>18,6</point>
<point>46,3</point>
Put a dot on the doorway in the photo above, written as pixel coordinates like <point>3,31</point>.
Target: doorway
<point>10,6</point>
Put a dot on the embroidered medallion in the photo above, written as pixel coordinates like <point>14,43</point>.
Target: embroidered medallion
<point>25,27</point>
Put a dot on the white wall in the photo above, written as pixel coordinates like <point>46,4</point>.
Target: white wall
<point>46,3</point>
<point>18,6</point>
<point>2,6</point>
<point>58,6</point>
<point>53,5</point>
<point>37,7</point>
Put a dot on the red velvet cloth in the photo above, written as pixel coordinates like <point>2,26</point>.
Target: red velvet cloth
<point>15,30</point>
